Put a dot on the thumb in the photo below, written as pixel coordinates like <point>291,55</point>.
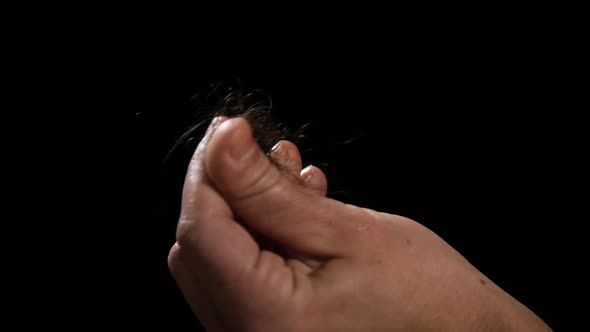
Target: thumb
<point>269,202</point>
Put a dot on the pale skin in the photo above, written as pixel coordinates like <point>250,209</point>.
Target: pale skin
<point>343,268</point>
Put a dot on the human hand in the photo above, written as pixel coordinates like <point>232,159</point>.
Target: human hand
<point>337,267</point>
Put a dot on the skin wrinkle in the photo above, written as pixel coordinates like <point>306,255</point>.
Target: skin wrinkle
<point>255,183</point>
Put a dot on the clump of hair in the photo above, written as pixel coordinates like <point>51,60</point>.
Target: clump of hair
<point>257,108</point>
<point>223,100</point>
<point>258,114</point>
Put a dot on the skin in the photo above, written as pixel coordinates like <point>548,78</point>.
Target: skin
<point>340,267</point>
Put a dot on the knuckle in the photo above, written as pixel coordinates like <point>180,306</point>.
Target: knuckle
<point>174,259</point>
<point>263,181</point>
<point>183,230</point>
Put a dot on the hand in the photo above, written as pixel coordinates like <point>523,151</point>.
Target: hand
<point>336,267</point>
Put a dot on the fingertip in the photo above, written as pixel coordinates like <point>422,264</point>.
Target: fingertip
<point>286,156</point>
<point>314,179</point>
<point>234,138</point>
<point>236,164</point>
<point>174,258</point>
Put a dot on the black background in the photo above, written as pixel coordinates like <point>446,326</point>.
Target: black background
<point>463,120</point>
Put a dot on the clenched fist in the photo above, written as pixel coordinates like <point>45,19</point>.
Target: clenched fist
<point>260,248</point>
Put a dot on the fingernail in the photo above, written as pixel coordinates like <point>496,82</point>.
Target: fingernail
<point>242,142</point>
<point>277,152</point>
<point>275,148</point>
<point>215,123</point>
<point>306,173</point>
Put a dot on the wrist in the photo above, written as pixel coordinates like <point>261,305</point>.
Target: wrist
<point>488,308</point>
<point>504,313</point>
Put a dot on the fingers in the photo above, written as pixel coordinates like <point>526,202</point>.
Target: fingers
<point>287,158</point>
<point>314,179</point>
<point>270,202</point>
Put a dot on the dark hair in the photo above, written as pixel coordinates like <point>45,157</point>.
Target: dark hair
<point>227,100</point>
<point>257,107</point>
